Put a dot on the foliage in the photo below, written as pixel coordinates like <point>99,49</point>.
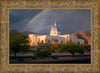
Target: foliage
<point>51,39</point>
<point>64,48</point>
<point>71,48</point>
<point>46,46</point>
<point>70,42</point>
<point>68,47</point>
<point>43,54</point>
<point>18,43</point>
<point>75,48</point>
<point>25,48</point>
<point>86,47</point>
<point>55,45</point>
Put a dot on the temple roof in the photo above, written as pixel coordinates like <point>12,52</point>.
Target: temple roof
<point>55,28</point>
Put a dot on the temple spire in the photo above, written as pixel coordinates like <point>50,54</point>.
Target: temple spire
<point>55,23</point>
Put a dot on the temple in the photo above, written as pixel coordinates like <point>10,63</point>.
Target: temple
<point>55,36</point>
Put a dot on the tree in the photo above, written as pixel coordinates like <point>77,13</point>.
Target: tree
<point>43,54</point>
<point>55,45</point>
<point>18,43</point>
<point>24,48</point>
<point>79,49</point>
<point>46,46</point>
<point>86,47</point>
<point>75,48</point>
<point>71,48</point>
<point>63,48</point>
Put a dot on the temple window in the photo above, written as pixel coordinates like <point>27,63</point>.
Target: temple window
<point>56,40</point>
<point>78,42</point>
<point>48,41</point>
<point>61,42</point>
<point>51,39</point>
<point>38,39</point>
<point>42,41</point>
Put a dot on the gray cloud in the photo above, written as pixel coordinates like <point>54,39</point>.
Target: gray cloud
<point>68,21</point>
<point>19,18</point>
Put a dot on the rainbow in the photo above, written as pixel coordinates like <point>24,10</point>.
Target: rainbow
<point>33,19</point>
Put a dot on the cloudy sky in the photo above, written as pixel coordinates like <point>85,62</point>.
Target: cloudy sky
<point>41,21</point>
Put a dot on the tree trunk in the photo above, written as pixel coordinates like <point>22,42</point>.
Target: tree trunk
<point>15,55</point>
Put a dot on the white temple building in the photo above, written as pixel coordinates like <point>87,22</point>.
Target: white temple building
<point>55,36</point>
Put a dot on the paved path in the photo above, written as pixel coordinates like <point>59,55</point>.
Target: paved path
<point>61,59</point>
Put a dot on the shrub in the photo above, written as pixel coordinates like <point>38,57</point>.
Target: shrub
<point>71,48</point>
<point>86,47</point>
<point>55,45</point>
<point>43,54</point>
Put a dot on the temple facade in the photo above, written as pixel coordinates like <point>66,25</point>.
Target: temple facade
<point>55,36</point>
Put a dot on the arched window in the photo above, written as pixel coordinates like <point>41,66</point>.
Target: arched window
<point>78,42</point>
<point>45,39</point>
<point>51,39</point>
<point>48,41</point>
<point>56,40</point>
<point>61,42</point>
<point>71,39</point>
<point>42,41</point>
<point>38,39</point>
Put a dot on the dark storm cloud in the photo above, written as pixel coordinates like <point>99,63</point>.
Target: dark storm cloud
<point>68,21</point>
<point>19,18</point>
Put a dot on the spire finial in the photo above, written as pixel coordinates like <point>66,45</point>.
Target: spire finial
<point>55,23</point>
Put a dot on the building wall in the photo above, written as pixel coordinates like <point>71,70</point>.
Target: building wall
<point>49,39</point>
<point>42,38</point>
<point>57,39</point>
<point>78,41</point>
<point>35,39</point>
<point>66,36</point>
